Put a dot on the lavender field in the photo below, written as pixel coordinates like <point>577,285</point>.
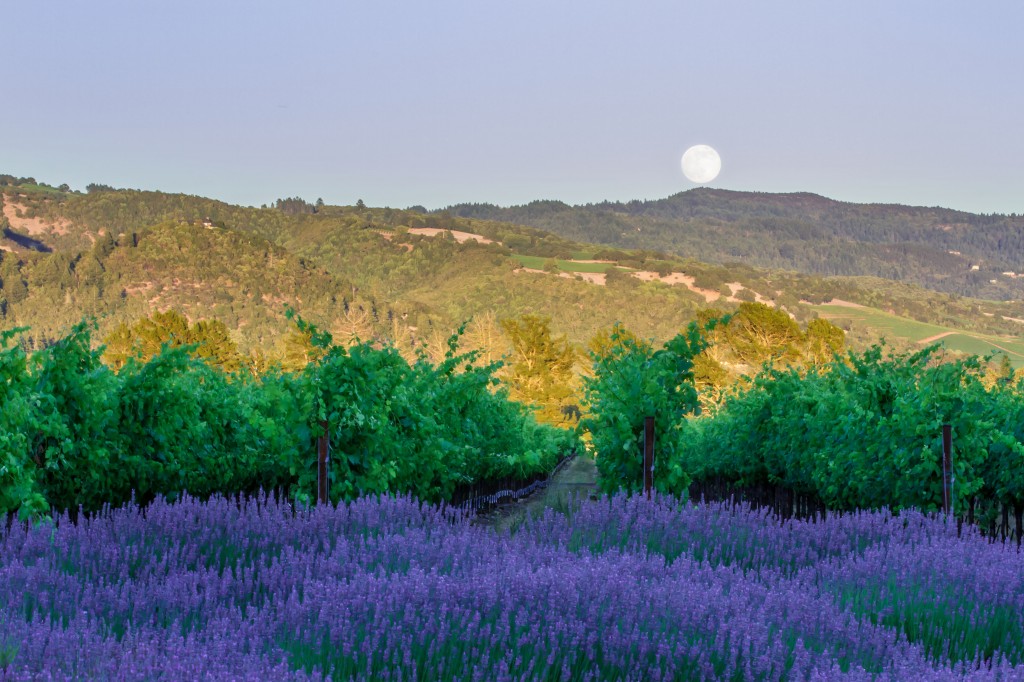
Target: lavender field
<point>620,589</point>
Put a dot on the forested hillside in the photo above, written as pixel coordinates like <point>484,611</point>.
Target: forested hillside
<point>937,248</point>
<point>406,277</point>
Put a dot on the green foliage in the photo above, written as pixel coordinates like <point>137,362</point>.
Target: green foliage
<point>297,351</point>
<point>742,342</point>
<point>123,254</point>
<point>824,340</point>
<point>18,489</point>
<point>421,427</point>
<point>164,257</point>
<point>541,366</point>
<point>74,426</point>
<point>759,333</point>
<point>12,280</point>
<point>209,339</point>
<point>604,342</point>
<point>865,432</point>
<point>73,432</point>
<point>632,381</point>
<point>295,206</point>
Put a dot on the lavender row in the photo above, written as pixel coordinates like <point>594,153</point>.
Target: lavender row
<point>389,588</point>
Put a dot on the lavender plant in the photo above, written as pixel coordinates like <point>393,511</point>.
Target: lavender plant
<point>393,588</point>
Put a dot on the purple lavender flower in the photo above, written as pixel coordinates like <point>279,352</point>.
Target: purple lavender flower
<point>389,588</point>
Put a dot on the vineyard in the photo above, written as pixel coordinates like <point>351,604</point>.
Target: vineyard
<point>76,434</point>
<point>861,431</point>
<point>169,525</point>
<point>858,432</point>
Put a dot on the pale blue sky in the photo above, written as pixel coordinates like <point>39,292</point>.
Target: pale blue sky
<point>437,102</point>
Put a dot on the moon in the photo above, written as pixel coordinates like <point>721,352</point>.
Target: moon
<point>701,164</point>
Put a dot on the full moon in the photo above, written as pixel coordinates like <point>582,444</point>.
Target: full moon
<point>701,164</point>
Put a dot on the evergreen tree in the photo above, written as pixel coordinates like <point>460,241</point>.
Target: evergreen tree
<point>89,271</point>
<point>607,340</point>
<point>540,370</point>
<point>215,345</point>
<point>298,350</point>
<point>150,333</point>
<point>824,340</point>
<point>104,245</point>
<point>758,333</point>
<point>144,340</point>
<point>14,285</point>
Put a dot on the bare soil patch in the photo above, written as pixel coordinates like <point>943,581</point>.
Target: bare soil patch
<point>678,278</point>
<point>932,339</point>
<point>598,278</point>
<point>459,236</point>
<point>736,287</point>
<point>33,226</point>
<point>840,302</point>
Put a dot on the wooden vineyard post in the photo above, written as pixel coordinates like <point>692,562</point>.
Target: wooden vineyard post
<point>947,469</point>
<point>648,455</point>
<point>323,455</point>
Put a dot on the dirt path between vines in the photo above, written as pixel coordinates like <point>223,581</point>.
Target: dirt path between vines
<point>578,478</point>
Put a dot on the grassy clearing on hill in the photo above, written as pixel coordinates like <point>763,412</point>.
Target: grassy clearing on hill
<point>895,327</point>
<point>537,262</point>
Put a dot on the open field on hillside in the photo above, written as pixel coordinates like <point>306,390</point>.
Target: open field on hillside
<point>896,327</point>
<point>537,262</point>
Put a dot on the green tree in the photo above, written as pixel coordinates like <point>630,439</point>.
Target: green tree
<point>152,332</point>
<point>104,245</point>
<point>824,340</point>
<point>605,342</point>
<point>119,346</point>
<point>13,283</point>
<point>298,350</point>
<point>210,338</point>
<point>710,378</point>
<point>19,489</point>
<point>758,333</point>
<point>215,345</point>
<point>89,271</point>
<point>540,370</point>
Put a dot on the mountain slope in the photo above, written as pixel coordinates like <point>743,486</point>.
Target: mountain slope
<point>941,249</point>
<point>375,273</point>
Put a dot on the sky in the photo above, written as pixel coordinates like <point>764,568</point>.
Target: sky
<point>442,102</point>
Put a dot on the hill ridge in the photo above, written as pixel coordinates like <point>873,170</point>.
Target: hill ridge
<point>938,248</point>
<point>375,272</point>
